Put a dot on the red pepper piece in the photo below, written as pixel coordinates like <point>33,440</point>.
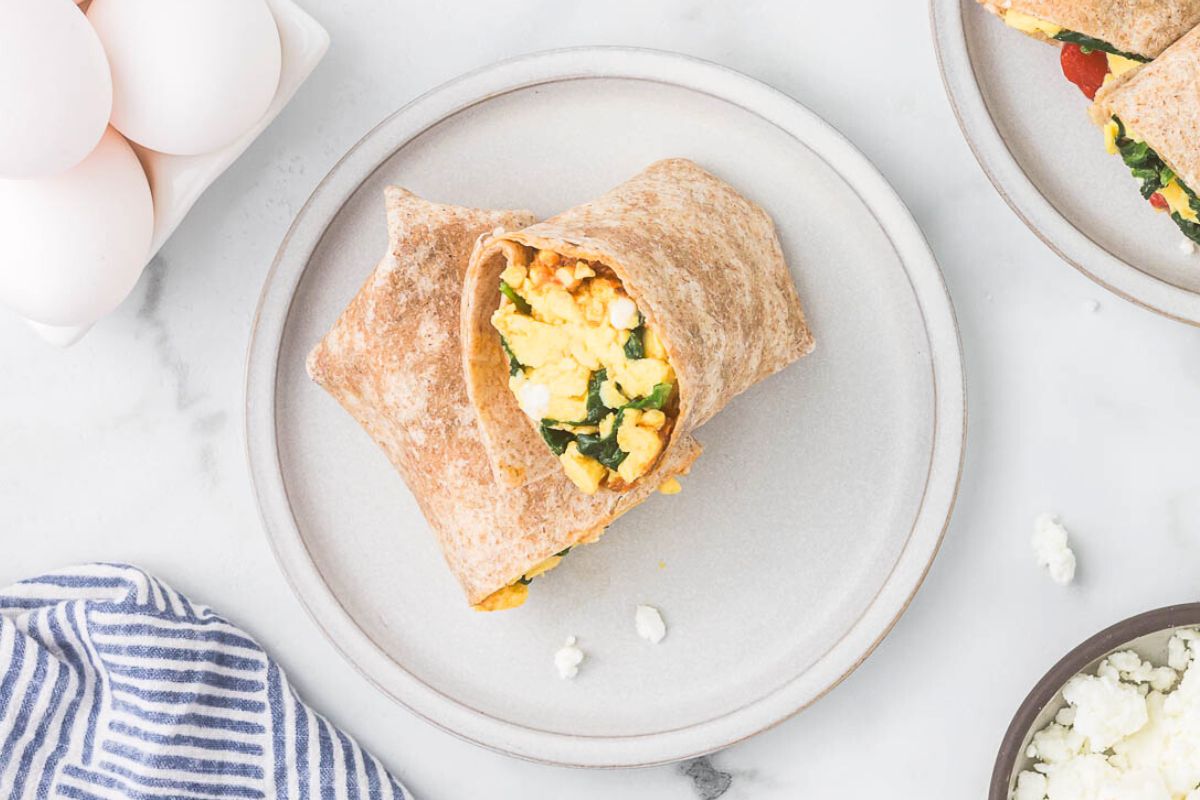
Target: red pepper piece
<point>1085,70</point>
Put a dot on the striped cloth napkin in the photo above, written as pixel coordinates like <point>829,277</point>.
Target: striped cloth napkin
<point>114,686</point>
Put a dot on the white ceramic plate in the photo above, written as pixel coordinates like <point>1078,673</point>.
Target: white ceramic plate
<point>1030,131</point>
<point>801,534</point>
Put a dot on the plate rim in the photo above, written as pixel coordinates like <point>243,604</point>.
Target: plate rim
<point>1023,196</point>
<point>948,383</point>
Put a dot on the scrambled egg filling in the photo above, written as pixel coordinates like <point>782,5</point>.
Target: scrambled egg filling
<point>510,596</point>
<point>1112,132</point>
<point>1030,24</point>
<point>1172,192</point>
<point>1117,64</point>
<point>1178,201</point>
<point>517,592</point>
<point>585,366</point>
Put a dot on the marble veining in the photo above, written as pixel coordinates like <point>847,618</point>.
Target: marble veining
<point>708,781</point>
<point>188,398</point>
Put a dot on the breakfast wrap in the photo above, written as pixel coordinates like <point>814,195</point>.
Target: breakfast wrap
<point>1133,29</point>
<point>1101,39</point>
<point>393,360</point>
<point>597,341</point>
<point>1151,119</point>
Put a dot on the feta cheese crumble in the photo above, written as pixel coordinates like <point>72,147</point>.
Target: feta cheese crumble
<point>1051,549</point>
<point>567,659</point>
<point>1129,732</point>
<point>1187,247</point>
<point>649,624</point>
<point>534,399</point>
<point>622,314</point>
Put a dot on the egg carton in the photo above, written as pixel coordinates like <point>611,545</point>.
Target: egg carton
<point>176,182</point>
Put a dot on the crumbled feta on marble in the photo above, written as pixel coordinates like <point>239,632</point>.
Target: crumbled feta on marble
<point>1125,735</point>
<point>649,624</point>
<point>567,659</point>
<point>1051,548</point>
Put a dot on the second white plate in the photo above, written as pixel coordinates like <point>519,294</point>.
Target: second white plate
<point>1030,131</point>
<point>802,532</point>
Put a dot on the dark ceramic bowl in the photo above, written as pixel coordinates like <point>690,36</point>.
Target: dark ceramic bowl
<point>1146,634</point>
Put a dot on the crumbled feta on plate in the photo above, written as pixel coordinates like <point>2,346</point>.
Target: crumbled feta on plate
<point>567,659</point>
<point>649,624</point>
<point>1051,549</point>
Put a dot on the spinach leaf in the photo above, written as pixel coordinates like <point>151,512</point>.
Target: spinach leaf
<point>635,345</point>
<point>1136,154</point>
<point>1143,162</point>
<point>656,399</point>
<point>514,366</point>
<point>1149,179</point>
<point>1186,190</point>
<point>556,439</point>
<point>596,410</point>
<point>605,450</point>
<point>1146,166</point>
<point>520,302</point>
<point>563,553</point>
<point>1089,43</point>
<point>1190,229</point>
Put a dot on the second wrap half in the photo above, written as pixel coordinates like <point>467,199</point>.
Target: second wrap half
<point>705,267</point>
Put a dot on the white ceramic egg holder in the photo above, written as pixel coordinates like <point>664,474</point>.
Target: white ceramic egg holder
<point>176,182</point>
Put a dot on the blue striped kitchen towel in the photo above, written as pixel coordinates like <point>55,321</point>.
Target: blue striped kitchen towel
<point>114,686</point>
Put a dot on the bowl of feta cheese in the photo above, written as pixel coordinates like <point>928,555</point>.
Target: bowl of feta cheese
<point>1117,717</point>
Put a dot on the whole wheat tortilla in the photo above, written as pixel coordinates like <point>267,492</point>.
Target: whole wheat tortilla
<point>703,264</point>
<point>1160,102</point>
<point>393,360</point>
<point>1143,27</point>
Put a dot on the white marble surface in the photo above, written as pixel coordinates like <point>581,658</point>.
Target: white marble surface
<point>129,446</point>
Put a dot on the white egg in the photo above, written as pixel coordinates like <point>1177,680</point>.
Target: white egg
<point>73,245</point>
<point>55,90</point>
<point>189,76</point>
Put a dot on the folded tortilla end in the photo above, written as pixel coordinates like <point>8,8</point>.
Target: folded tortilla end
<point>1160,103</point>
<point>393,360</point>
